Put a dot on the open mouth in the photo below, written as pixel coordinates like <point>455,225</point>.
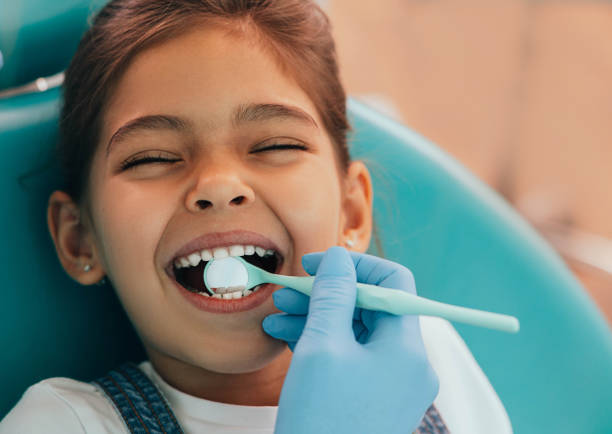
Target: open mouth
<point>189,270</point>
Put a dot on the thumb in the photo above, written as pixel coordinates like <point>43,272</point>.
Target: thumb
<point>332,301</point>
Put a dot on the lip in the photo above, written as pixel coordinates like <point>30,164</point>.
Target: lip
<point>215,305</point>
<point>225,239</point>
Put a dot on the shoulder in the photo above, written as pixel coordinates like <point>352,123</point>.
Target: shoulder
<point>62,405</point>
<point>467,401</point>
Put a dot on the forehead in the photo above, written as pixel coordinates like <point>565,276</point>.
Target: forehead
<point>202,75</point>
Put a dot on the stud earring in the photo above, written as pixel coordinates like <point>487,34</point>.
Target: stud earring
<point>87,267</point>
<point>349,243</point>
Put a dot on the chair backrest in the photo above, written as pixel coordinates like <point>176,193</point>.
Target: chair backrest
<point>50,325</point>
<point>463,243</point>
<point>467,246</point>
<point>39,37</point>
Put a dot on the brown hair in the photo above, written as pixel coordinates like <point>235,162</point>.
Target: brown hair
<point>297,32</point>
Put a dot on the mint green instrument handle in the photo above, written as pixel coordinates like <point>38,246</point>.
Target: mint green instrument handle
<point>399,302</point>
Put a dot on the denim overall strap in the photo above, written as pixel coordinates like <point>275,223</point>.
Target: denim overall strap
<point>432,423</point>
<point>138,401</point>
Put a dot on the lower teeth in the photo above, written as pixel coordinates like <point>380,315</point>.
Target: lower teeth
<point>232,295</point>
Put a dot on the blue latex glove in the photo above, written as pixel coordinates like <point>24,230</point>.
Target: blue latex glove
<point>353,370</point>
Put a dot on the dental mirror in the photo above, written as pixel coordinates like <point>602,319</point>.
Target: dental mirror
<point>234,273</point>
<point>227,273</point>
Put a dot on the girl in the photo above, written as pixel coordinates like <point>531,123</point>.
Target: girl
<point>194,129</point>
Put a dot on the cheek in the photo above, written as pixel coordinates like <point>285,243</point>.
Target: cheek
<point>308,204</point>
<point>130,222</point>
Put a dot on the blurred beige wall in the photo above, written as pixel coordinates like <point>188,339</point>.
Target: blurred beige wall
<point>519,91</point>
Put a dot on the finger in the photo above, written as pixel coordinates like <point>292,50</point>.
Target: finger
<point>289,327</point>
<point>311,261</point>
<point>284,326</point>
<point>360,331</point>
<point>383,272</point>
<point>387,324</point>
<point>291,301</point>
<point>369,269</point>
<point>332,300</point>
<point>385,327</point>
<point>357,313</point>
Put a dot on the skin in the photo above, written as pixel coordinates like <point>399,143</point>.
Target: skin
<point>134,221</point>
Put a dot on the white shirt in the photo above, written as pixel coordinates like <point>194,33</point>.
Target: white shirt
<point>466,401</point>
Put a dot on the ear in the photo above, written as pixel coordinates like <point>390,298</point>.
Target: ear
<point>73,240</point>
<point>356,218</point>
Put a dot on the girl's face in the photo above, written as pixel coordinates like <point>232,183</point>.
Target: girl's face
<point>200,171</point>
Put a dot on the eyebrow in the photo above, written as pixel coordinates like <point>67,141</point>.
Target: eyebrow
<point>149,122</point>
<point>263,112</point>
<point>244,113</point>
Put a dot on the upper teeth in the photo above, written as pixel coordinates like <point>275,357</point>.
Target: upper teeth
<point>193,259</point>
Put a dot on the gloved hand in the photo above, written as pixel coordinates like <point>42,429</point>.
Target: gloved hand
<point>353,370</point>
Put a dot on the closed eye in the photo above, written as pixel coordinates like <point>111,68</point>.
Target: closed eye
<point>147,159</point>
<point>281,146</point>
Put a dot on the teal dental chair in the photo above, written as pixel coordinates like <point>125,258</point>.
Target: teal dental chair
<point>39,37</point>
<point>465,245</point>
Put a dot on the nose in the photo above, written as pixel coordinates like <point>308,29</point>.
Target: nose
<point>220,190</point>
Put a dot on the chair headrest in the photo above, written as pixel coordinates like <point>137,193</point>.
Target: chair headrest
<point>38,37</point>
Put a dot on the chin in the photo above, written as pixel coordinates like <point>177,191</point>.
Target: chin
<point>255,359</point>
<point>251,355</point>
